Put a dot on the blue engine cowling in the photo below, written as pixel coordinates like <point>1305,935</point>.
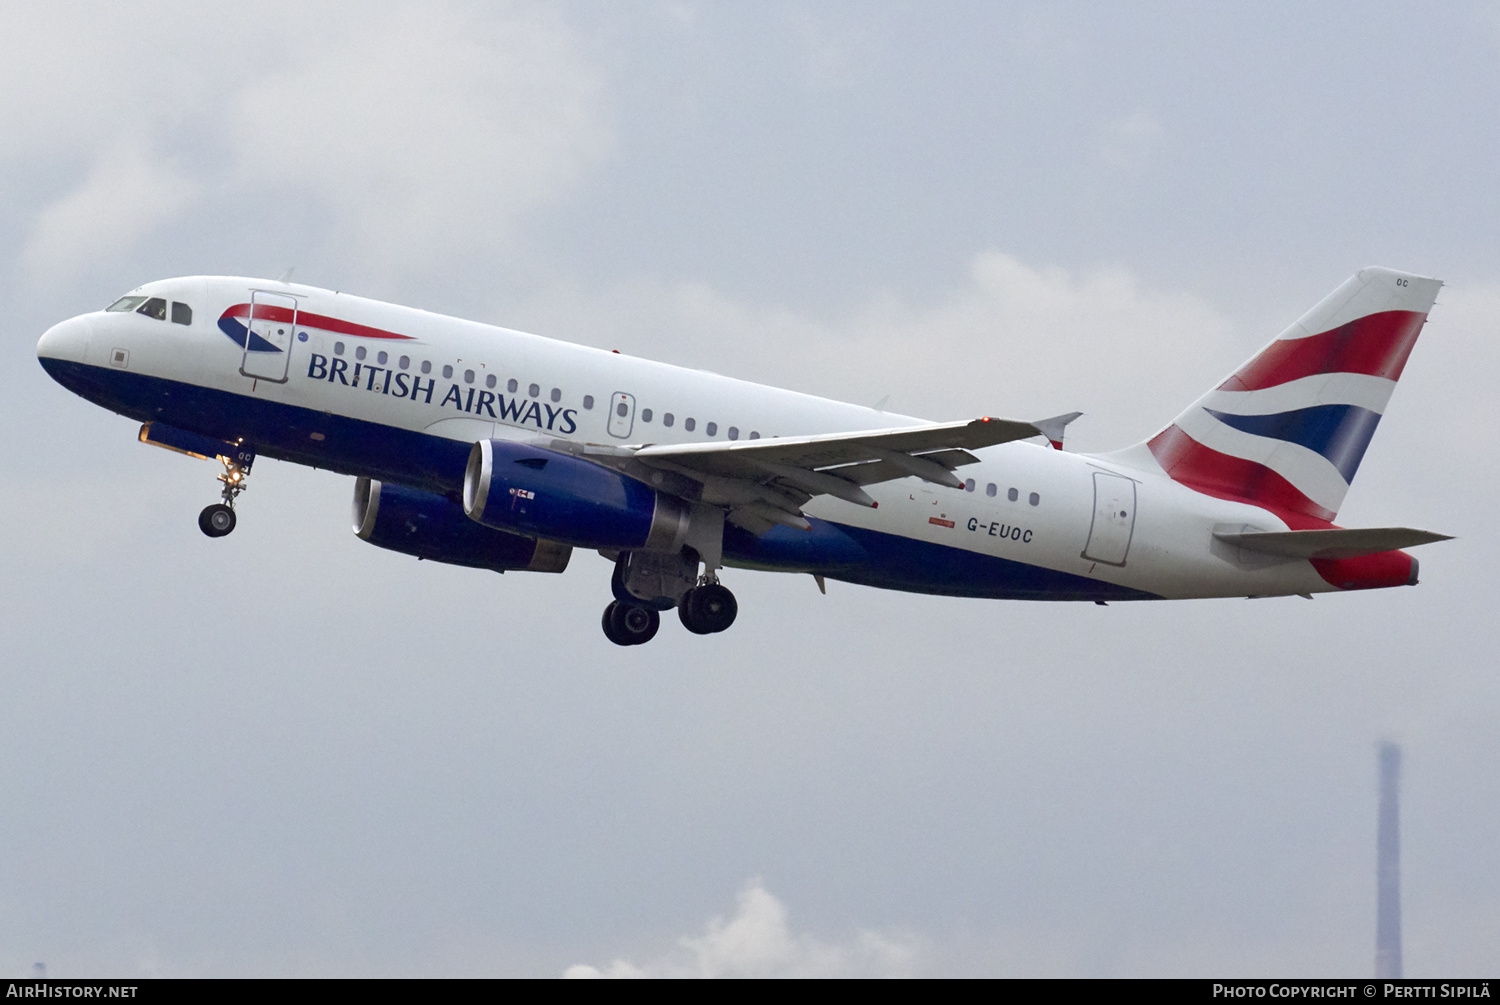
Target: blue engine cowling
<point>432,527</point>
<point>540,492</point>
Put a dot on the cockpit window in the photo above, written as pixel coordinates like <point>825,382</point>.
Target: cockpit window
<point>126,304</point>
<point>156,308</point>
<point>182,314</point>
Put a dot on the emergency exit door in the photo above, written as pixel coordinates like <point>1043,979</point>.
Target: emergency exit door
<point>621,414</point>
<point>1114,519</point>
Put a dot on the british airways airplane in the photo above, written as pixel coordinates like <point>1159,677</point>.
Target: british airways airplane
<point>490,448</point>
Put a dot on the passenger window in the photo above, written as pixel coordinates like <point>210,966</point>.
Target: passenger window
<point>511,385</point>
<point>1012,495</point>
<point>404,362</point>
<point>426,366</point>
<point>969,485</point>
<point>359,352</point>
<point>667,420</point>
<point>468,376</point>
<point>1035,499</point>
<point>990,490</point>
<point>534,390</point>
<point>712,429</point>
<point>588,401</point>
<point>381,357</point>
<point>447,372</point>
<point>754,435</point>
<point>645,415</point>
<point>338,348</point>
<point>688,424</point>
<point>734,433</point>
<point>556,394</point>
<point>622,409</point>
<point>182,314</point>
<point>126,304</point>
<point>156,308</point>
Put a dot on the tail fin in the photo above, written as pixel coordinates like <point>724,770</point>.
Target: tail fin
<point>1288,429</point>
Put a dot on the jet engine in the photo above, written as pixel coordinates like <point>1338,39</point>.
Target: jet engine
<point>432,527</point>
<point>543,493</point>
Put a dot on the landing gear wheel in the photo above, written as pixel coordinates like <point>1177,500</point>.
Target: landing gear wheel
<point>629,624</point>
<point>216,520</point>
<point>707,609</point>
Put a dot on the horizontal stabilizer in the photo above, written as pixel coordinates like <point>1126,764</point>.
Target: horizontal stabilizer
<point>1338,542</point>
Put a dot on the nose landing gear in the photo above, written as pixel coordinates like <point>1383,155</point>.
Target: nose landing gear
<point>219,519</point>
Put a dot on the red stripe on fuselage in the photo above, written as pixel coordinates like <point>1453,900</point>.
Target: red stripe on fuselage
<point>270,312</point>
<point>1376,344</point>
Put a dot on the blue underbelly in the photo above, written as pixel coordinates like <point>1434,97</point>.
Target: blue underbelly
<point>436,464</point>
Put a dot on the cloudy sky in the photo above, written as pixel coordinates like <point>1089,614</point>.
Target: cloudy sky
<point>289,753</point>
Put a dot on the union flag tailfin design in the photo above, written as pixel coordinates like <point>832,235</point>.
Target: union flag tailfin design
<point>1288,429</point>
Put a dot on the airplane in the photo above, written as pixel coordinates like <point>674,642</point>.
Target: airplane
<point>490,448</point>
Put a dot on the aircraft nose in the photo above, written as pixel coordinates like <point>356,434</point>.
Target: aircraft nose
<point>68,340</point>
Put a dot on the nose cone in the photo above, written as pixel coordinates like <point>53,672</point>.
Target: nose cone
<point>66,342</point>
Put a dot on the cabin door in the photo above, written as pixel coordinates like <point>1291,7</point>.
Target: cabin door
<point>1114,519</point>
<point>269,336</point>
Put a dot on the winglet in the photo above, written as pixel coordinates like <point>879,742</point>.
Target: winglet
<point>1053,428</point>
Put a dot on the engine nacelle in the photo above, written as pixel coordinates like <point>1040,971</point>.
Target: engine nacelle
<point>543,493</point>
<point>431,527</point>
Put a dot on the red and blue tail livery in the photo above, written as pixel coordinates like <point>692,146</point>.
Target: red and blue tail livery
<point>492,449</point>
<point>1289,428</point>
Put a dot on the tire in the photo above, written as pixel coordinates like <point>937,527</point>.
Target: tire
<point>216,520</point>
<point>708,609</point>
<point>687,612</point>
<point>717,607</point>
<point>608,624</point>
<point>631,624</point>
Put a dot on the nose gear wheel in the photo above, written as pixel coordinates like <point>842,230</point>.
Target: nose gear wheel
<point>219,519</point>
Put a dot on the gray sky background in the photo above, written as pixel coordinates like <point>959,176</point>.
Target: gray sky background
<point>287,752</point>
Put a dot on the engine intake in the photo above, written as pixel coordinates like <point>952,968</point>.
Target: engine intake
<point>432,527</point>
<point>543,493</point>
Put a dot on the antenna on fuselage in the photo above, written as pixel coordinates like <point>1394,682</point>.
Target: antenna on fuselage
<point>286,274</point>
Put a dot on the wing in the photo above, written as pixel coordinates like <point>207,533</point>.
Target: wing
<point>766,482</point>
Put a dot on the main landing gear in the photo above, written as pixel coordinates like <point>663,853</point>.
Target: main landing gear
<point>218,519</point>
<point>704,608</point>
<point>708,608</point>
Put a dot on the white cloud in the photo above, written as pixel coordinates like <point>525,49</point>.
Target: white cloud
<point>1012,339</point>
<point>126,194</point>
<point>426,130</point>
<point>756,941</point>
<point>421,131</point>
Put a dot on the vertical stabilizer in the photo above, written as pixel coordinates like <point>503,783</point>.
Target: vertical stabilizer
<point>1288,429</point>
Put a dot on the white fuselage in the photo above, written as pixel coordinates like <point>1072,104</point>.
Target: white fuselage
<point>1028,504</point>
